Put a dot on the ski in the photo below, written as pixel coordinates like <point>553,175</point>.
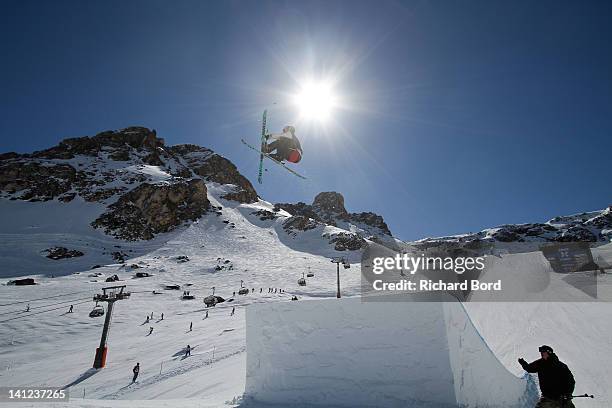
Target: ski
<point>273,159</point>
<point>263,145</point>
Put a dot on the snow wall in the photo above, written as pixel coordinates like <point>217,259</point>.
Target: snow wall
<point>349,353</point>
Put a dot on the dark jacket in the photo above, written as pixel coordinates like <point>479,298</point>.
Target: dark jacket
<point>555,378</point>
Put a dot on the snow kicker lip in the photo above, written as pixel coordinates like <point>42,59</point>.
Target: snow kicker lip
<point>516,272</point>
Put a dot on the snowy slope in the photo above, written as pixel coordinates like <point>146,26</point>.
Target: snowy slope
<point>59,349</point>
<point>56,348</point>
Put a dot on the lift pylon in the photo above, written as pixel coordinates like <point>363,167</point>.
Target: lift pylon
<point>109,295</point>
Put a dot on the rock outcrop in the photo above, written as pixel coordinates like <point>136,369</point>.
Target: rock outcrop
<point>218,169</point>
<point>57,253</point>
<point>328,208</point>
<point>148,210</point>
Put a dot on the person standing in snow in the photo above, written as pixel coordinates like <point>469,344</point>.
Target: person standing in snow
<point>286,145</point>
<point>162,316</point>
<point>555,378</point>
<point>150,330</point>
<point>136,370</point>
<point>188,351</point>
<point>206,317</point>
<point>147,320</point>
<point>233,310</point>
<point>70,310</point>
<point>190,326</point>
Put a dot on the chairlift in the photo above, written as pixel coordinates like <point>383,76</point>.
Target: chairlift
<point>188,296</point>
<point>302,280</point>
<point>97,311</point>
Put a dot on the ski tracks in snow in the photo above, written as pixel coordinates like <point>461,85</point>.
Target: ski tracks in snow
<point>186,366</point>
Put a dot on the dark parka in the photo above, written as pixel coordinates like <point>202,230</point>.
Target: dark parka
<point>555,377</point>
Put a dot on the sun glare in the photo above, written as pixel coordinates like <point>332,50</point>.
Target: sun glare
<point>316,100</point>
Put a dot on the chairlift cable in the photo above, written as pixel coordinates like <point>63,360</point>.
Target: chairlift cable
<point>43,306</point>
<point>44,311</point>
<point>48,297</point>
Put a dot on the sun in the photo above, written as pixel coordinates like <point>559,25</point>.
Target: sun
<point>316,100</point>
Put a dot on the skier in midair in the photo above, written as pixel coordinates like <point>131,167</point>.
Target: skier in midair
<point>135,370</point>
<point>286,146</point>
<point>555,378</point>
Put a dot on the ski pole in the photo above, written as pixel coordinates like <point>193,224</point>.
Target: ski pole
<point>583,396</point>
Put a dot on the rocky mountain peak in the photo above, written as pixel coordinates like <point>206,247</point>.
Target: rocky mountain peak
<point>120,168</point>
<point>119,141</point>
<point>328,208</point>
<point>330,202</point>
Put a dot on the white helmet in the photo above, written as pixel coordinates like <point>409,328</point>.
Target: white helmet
<point>289,129</point>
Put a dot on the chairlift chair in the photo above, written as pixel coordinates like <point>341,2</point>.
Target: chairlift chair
<point>302,280</point>
<point>97,311</point>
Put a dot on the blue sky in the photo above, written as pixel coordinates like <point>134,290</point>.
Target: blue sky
<point>455,116</point>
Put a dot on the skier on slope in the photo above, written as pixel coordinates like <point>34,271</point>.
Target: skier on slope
<point>286,145</point>
<point>555,378</point>
<point>135,370</point>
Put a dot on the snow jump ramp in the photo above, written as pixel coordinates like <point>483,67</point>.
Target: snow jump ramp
<point>348,353</point>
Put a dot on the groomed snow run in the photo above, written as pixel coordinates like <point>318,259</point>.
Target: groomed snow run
<point>347,353</point>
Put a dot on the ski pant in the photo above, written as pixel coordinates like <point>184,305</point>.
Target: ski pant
<point>282,146</point>
<point>552,403</point>
<point>135,376</point>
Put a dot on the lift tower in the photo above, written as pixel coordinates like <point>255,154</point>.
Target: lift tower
<point>109,295</point>
<point>346,264</point>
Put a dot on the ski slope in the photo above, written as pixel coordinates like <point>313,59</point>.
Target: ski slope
<point>57,349</point>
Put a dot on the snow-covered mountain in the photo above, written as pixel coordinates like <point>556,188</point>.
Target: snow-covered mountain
<point>96,200</point>
<point>592,226</point>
